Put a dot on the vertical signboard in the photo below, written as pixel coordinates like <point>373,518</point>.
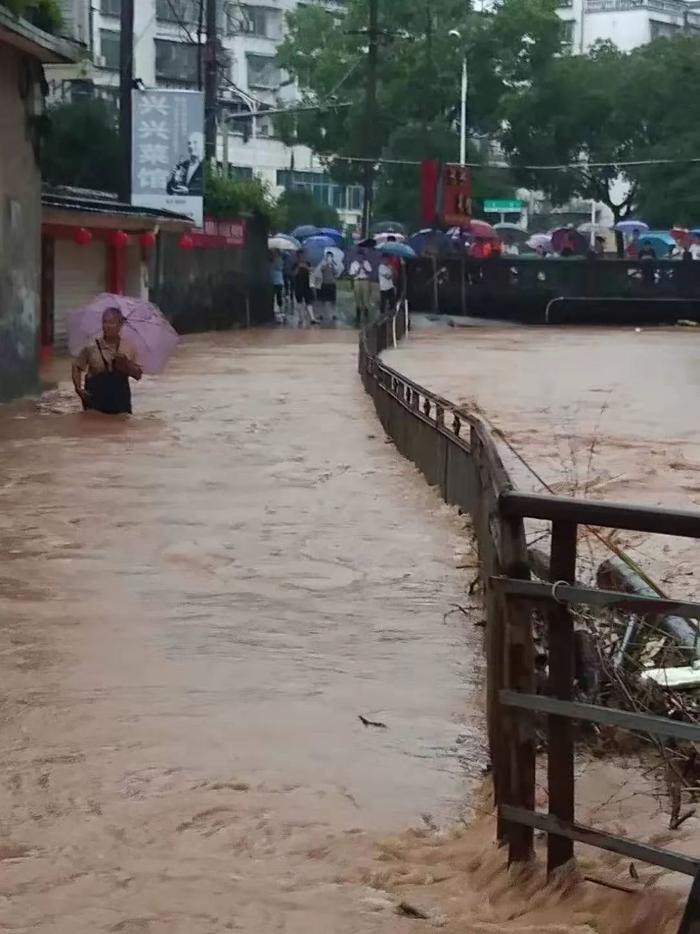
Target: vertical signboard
<point>167,162</point>
<point>457,196</point>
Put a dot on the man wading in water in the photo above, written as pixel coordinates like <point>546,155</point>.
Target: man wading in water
<point>109,362</point>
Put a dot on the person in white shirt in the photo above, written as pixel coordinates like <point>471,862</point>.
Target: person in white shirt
<point>360,273</point>
<point>387,287</point>
<point>695,247</point>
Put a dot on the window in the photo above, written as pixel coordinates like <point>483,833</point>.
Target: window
<point>263,71</point>
<point>109,46</point>
<point>240,171</point>
<point>178,11</point>
<point>324,190</point>
<point>112,7</point>
<point>567,35</point>
<point>661,30</point>
<point>259,21</point>
<point>177,62</point>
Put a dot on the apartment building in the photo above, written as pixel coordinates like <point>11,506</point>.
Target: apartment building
<point>166,54</point>
<point>627,23</point>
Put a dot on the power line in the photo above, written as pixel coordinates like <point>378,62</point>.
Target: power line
<point>510,166</point>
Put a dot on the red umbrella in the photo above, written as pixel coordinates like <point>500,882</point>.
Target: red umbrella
<point>482,230</point>
<point>569,237</point>
<point>681,235</point>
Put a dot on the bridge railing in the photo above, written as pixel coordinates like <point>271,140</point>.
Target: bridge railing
<point>457,454</point>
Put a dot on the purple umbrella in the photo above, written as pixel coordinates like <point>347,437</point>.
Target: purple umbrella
<point>630,226</point>
<point>145,327</point>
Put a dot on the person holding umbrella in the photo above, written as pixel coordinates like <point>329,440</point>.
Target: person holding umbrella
<point>301,274</point>
<point>387,285</point>
<point>109,363</point>
<point>360,272</point>
<point>327,294</point>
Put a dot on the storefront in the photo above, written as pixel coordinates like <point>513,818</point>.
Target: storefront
<point>92,243</point>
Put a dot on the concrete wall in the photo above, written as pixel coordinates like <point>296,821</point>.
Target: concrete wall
<point>20,239</point>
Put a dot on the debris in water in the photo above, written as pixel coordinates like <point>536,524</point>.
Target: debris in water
<point>375,723</point>
<point>410,911</point>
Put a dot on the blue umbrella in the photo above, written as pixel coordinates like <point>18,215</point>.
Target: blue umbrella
<point>394,248</point>
<point>332,233</point>
<point>431,241</point>
<point>629,226</point>
<point>316,246</point>
<point>305,231</point>
<point>661,242</point>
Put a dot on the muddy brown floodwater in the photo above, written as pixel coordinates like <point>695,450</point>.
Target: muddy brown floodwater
<point>195,606</point>
<point>602,413</point>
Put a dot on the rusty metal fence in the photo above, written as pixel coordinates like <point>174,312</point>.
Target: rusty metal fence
<point>457,454</point>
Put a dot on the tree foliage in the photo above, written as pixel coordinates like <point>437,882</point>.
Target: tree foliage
<point>613,107</point>
<point>82,146</point>
<point>295,208</point>
<point>232,197</point>
<point>420,73</point>
<point>46,14</point>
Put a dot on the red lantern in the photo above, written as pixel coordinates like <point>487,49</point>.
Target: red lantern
<point>120,239</point>
<point>147,240</point>
<point>82,236</point>
<point>186,242</point>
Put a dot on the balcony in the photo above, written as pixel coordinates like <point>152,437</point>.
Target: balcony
<point>675,8</point>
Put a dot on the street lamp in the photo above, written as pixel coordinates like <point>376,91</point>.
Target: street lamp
<point>456,34</point>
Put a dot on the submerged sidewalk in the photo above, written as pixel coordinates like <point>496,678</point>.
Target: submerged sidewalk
<point>197,606</point>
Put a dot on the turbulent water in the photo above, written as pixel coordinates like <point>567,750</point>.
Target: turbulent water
<point>196,606</point>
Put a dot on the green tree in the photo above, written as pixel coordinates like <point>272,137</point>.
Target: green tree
<point>420,73</point>
<point>82,146</point>
<point>582,109</point>
<point>46,14</point>
<point>664,74</point>
<point>230,197</point>
<point>296,207</point>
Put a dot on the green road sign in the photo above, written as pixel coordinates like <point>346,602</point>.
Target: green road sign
<point>502,207</point>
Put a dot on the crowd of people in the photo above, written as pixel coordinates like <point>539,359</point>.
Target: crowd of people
<point>309,293</point>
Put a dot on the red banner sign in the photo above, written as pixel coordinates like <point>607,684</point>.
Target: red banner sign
<point>429,186</point>
<point>218,233</point>
<point>456,195</point>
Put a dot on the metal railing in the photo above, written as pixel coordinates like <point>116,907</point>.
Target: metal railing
<point>457,453</point>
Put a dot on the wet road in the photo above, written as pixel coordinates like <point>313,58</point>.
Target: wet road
<point>196,606</point>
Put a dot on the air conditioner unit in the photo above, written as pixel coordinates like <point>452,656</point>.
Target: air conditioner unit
<point>100,61</point>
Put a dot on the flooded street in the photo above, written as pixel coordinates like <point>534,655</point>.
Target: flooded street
<point>600,413</point>
<point>197,604</point>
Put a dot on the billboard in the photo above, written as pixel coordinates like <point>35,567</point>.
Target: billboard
<point>457,196</point>
<point>167,153</point>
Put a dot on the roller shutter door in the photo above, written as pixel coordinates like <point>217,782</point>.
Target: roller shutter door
<point>80,274</point>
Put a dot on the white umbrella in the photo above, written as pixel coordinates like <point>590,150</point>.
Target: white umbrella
<point>540,240</point>
<point>600,230</point>
<point>389,238</point>
<point>338,260</point>
<point>283,242</point>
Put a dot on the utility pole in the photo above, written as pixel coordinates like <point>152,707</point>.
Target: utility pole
<point>371,113</point>
<point>126,86</point>
<point>211,79</point>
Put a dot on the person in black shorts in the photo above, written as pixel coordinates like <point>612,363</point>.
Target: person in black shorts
<point>329,289</point>
<point>303,296</point>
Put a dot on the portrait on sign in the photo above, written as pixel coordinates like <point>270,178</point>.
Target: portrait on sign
<point>168,151</point>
